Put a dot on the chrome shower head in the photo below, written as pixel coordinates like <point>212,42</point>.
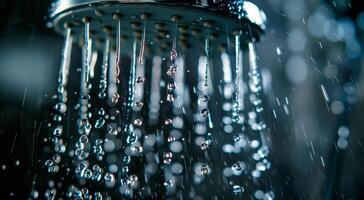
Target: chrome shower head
<point>220,17</point>
<point>137,127</point>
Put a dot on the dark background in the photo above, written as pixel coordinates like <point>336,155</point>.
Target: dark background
<point>307,164</point>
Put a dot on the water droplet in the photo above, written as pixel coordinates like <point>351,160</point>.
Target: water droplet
<point>236,138</point>
<point>167,157</point>
<point>204,146</point>
<point>171,87</point>
<point>204,112</point>
<point>88,174</point>
<point>111,130</point>
<point>102,95</point>
<point>168,121</point>
<point>84,127</point>
<point>171,139</point>
<point>236,167</point>
<point>136,149</point>
<point>101,112</point>
<point>86,97</point>
<point>57,118</point>
<point>263,151</point>
<point>204,169</point>
<point>49,163</point>
<point>34,194</point>
<point>138,122</point>
<point>172,70</point>
<point>132,180</point>
<point>115,98</point>
<point>97,173</point>
<point>204,98</point>
<point>238,190</point>
<point>235,118</point>
<point>99,123</point>
<point>58,131</point>
<point>50,194</point>
<point>170,97</point>
<point>83,139</point>
<point>98,196</point>
<point>174,54</point>
<point>140,79</point>
<point>269,196</point>
<point>61,107</point>
<point>57,158</point>
<point>139,104</point>
<point>168,184</point>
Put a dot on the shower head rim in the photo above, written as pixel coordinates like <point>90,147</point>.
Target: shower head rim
<point>245,14</point>
<point>102,14</point>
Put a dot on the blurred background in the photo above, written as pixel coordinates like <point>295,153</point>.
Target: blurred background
<point>311,58</point>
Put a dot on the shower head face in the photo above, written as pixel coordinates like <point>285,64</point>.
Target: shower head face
<point>161,17</point>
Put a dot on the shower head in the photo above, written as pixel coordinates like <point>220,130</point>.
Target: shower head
<point>147,114</point>
<point>193,18</point>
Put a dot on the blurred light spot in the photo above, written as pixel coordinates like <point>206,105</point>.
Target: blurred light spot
<point>177,168</point>
<point>295,9</point>
<point>176,146</point>
<point>342,143</point>
<point>353,49</point>
<point>228,148</point>
<point>347,25</point>
<point>227,172</point>
<point>254,144</point>
<point>259,194</point>
<point>109,145</point>
<point>296,40</point>
<point>256,173</point>
<point>228,128</point>
<point>330,71</point>
<point>337,107</point>
<point>296,69</point>
<point>343,131</point>
<point>226,67</point>
<point>360,20</point>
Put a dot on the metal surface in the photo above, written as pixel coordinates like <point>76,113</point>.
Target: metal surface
<point>194,21</point>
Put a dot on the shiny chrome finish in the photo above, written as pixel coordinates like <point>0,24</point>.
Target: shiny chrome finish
<point>221,17</point>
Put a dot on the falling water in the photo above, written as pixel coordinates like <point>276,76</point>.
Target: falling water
<point>236,104</point>
<point>155,91</point>
<point>87,52</point>
<point>104,69</point>
<point>52,164</point>
<point>257,121</point>
<point>116,95</point>
<point>129,126</point>
<point>66,59</point>
<point>131,83</point>
<point>168,137</point>
<point>255,84</point>
<point>207,54</point>
<point>142,44</point>
<point>169,155</point>
<point>103,83</point>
